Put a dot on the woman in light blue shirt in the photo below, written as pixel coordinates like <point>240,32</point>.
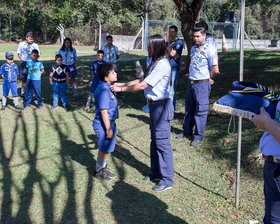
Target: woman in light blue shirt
<point>156,86</point>
<point>69,58</point>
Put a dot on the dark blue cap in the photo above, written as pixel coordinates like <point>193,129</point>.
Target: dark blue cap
<point>9,54</point>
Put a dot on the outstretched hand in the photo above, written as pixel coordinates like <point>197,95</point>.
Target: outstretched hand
<point>261,119</point>
<point>116,87</point>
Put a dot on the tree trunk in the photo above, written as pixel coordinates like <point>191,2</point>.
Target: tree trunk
<point>188,15</point>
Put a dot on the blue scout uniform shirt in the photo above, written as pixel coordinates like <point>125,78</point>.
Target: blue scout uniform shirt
<point>34,69</point>
<point>94,67</point>
<point>177,45</point>
<point>25,50</point>
<point>105,99</point>
<point>202,59</point>
<point>268,144</point>
<point>10,72</point>
<point>159,81</point>
<point>110,53</point>
<point>68,57</point>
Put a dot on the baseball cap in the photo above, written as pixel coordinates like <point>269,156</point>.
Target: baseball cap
<point>9,54</point>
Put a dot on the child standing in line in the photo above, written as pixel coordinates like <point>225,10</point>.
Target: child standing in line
<point>9,71</point>
<point>106,112</point>
<point>69,57</point>
<point>24,54</point>
<point>35,70</point>
<point>95,80</point>
<point>59,80</point>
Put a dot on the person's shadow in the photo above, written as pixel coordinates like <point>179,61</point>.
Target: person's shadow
<point>130,205</point>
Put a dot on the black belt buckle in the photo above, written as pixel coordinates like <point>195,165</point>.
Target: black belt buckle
<point>199,81</point>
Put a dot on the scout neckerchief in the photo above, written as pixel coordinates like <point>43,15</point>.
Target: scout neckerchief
<point>28,50</point>
<point>172,42</point>
<point>66,50</point>
<point>257,89</point>
<point>110,52</point>
<point>9,72</point>
<point>197,51</point>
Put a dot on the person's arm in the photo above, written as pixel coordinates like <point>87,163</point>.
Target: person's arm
<point>42,71</point>
<point>118,84</point>
<point>19,56</point>
<point>106,121</point>
<point>50,78</point>
<point>214,71</point>
<point>264,122</point>
<point>129,88</point>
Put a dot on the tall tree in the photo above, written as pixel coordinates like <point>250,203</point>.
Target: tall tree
<point>188,12</point>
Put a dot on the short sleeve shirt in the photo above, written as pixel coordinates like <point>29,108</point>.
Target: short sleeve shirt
<point>34,69</point>
<point>25,50</point>
<point>59,73</point>
<point>268,144</point>
<point>159,81</point>
<point>202,59</point>
<point>94,67</point>
<point>10,72</point>
<point>105,99</point>
<point>68,57</point>
<point>110,53</point>
<point>177,45</point>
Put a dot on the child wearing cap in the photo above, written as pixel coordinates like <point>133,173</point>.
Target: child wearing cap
<point>9,71</point>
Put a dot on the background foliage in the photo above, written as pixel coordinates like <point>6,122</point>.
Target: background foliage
<point>81,18</point>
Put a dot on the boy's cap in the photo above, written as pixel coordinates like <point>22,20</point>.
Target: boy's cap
<point>9,54</point>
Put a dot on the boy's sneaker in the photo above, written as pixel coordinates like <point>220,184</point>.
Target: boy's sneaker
<point>66,108</point>
<point>26,107</point>
<point>53,107</point>
<point>111,175</point>
<point>3,108</point>
<point>40,107</point>
<point>18,108</point>
<point>102,175</point>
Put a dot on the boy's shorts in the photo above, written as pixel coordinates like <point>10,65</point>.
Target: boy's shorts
<point>72,70</point>
<point>23,71</point>
<point>7,86</point>
<point>104,144</point>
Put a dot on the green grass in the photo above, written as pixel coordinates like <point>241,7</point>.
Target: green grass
<point>44,155</point>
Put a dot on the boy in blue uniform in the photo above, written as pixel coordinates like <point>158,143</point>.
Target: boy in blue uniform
<point>106,112</point>
<point>270,148</point>
<point>9,72</point>
<point>59,80</point>
<point>175,48</point>
<point>35,70</point>
<point>95,80</point>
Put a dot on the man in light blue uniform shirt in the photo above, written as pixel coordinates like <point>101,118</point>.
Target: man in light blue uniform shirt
<point>175,48</point>
<point>203,67</point>
<point>270,148</point>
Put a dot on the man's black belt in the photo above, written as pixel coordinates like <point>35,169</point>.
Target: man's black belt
<point>59,80</point>
<point>199,81</point>
<point>271,159</point>
<point>157,101</point>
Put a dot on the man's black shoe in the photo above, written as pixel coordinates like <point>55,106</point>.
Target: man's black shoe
<point>160,187</point>
<point>3,108</point>
<point>148,179</point>
<point>102,175</point>
<point>196,142</point>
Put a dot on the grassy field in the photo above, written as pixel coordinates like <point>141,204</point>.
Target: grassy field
<point>44,155</point>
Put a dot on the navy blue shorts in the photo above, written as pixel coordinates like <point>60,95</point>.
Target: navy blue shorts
<point>7,86</point>
<point>104,144</point>
<point>72,70</point>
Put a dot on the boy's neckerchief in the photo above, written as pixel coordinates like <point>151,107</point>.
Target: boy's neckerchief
<point>9,71</point>
<point>197,51</point>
